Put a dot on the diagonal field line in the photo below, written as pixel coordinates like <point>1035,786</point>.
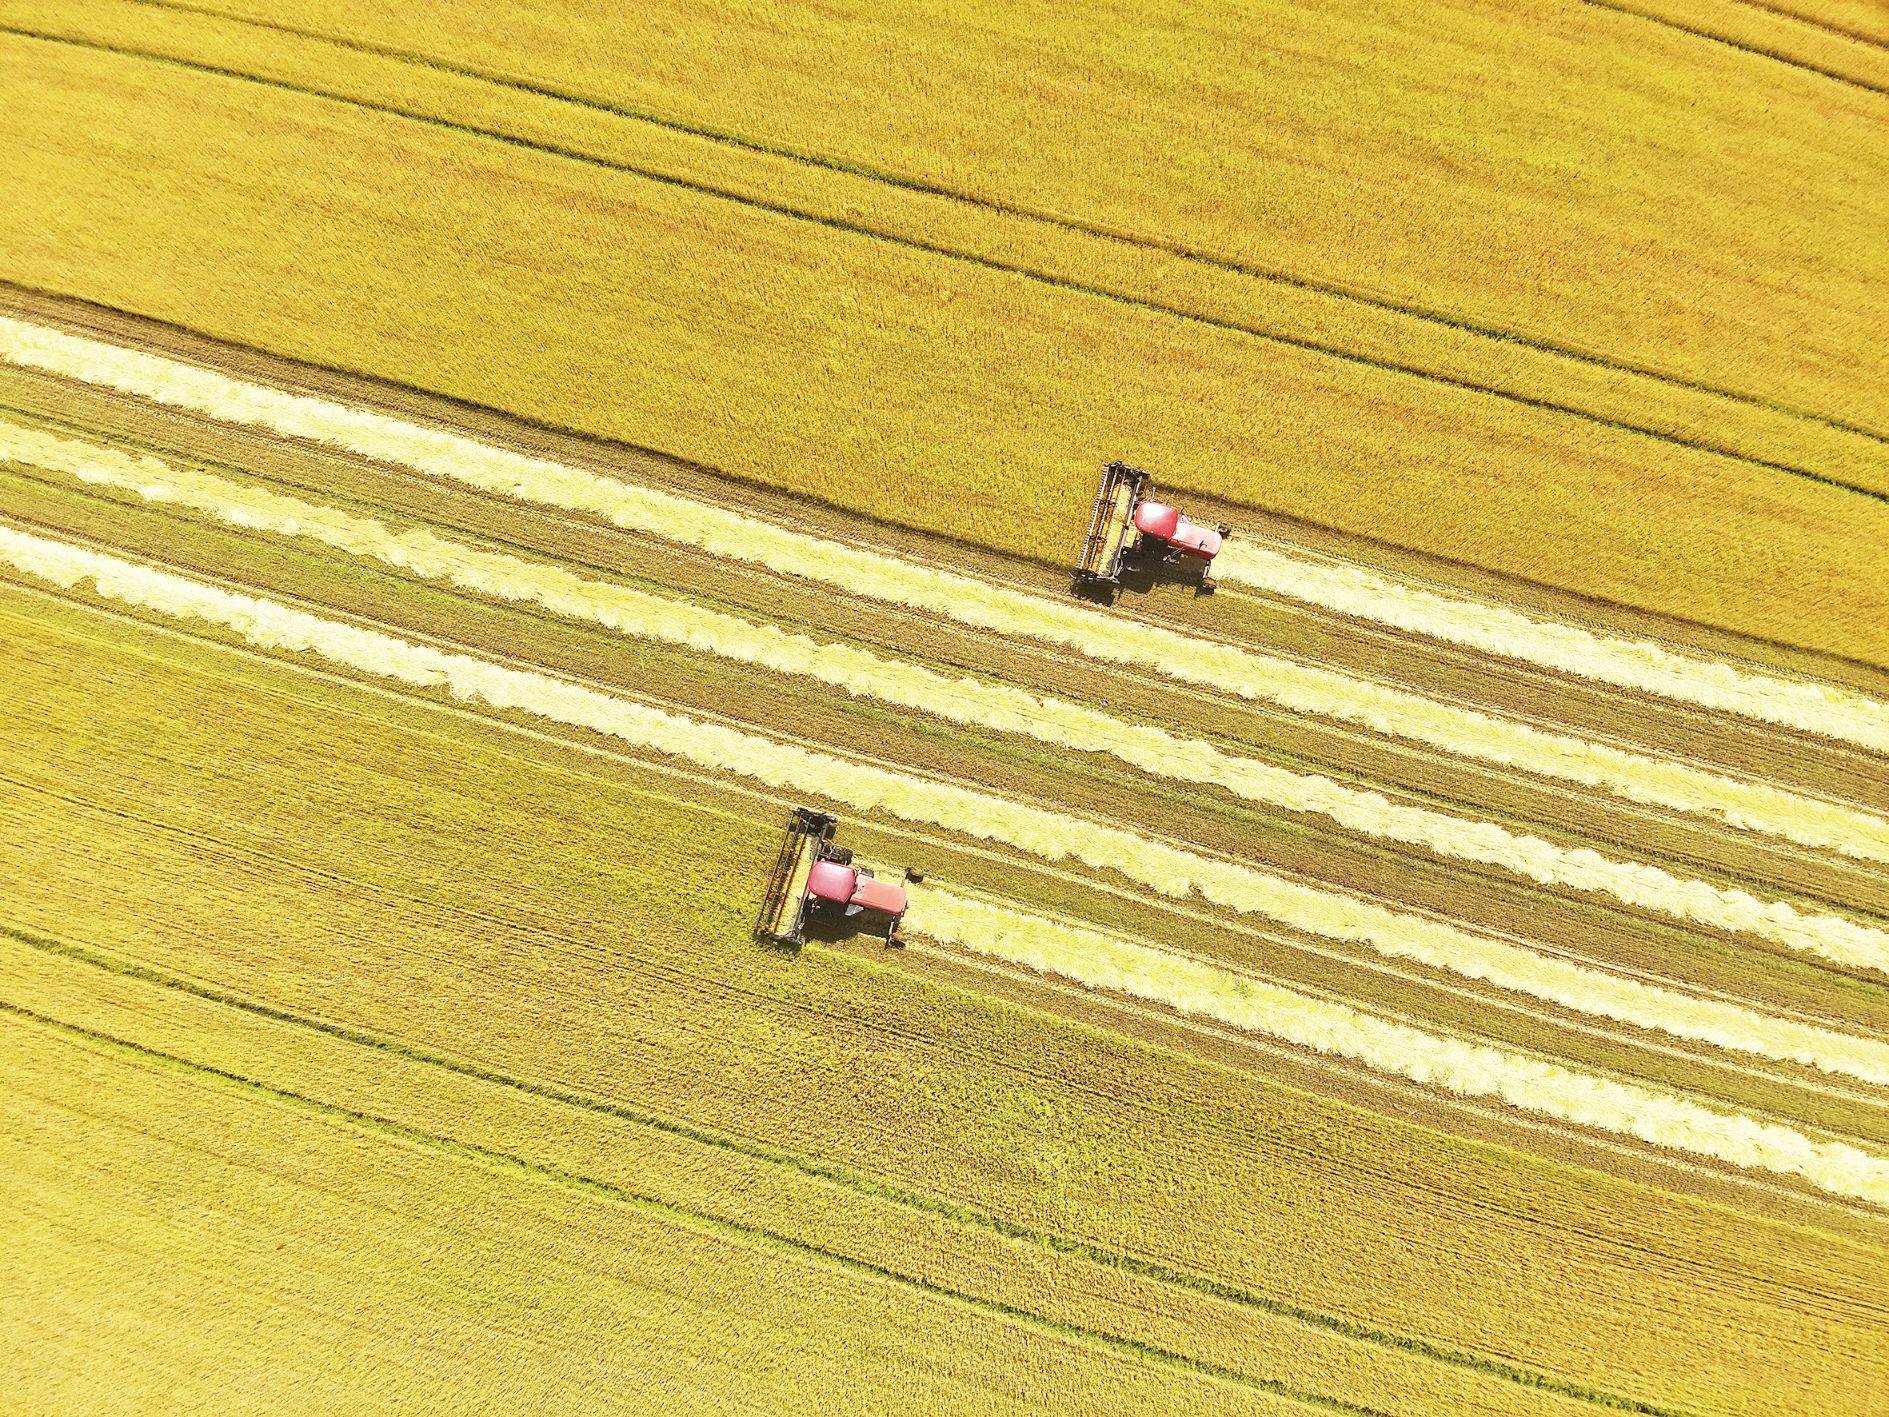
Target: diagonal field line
<point>1835,1167</point>
<point>1001,708</point>
<point>1049,279</point>
<point>1176,249</point>
<point>699,1222</point>
<point>1661,781</point>
<point>1796,17</point>
<point>1776,56</point>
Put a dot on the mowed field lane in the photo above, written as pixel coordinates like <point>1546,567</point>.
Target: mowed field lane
<point>464,477</point>
<point>992,395</point>
<point>511,957</point>
<point>1001,708</point>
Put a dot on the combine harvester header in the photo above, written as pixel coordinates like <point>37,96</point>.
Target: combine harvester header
<point>814,881</point>
<point>1129,526</point>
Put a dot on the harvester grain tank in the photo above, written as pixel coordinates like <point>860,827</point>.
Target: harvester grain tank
<point>1129,526</point>
<point>814,881</point>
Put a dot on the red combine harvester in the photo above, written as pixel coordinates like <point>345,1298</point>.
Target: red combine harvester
<point>1129,526</point>
<point>814,880</point>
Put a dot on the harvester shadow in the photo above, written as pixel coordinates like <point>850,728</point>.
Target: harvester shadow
<point>821,928</point>
<point>834,929</point>
<point>1142,574</point>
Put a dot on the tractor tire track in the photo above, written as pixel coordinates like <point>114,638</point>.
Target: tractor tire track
<point>1776,56</point>
<point>701,1222</point>
<point>1840,31</point>
<point>1178,250</point>
<point>1128,1097</point>
<point>1050,279</point>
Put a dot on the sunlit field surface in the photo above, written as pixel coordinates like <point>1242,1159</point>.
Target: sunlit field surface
<point>466,473</point>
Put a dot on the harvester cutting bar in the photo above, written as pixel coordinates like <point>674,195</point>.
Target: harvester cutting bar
<point>1130,524</point>
<point>784,905</point>
<point>813,876</point>
<point>1112,533</point>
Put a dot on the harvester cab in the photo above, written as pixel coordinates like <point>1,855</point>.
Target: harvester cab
<point>815,882</point>
<point>1128,526</point>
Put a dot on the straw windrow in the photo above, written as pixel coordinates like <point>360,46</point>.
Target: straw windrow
<point>1470,733</point>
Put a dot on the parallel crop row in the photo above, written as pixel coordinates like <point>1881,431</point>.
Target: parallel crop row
<point>1100,961</point>
<point>1823,709</point>
<point>1167,869</point>
<point>979,703</point>
<point>1230,669</point>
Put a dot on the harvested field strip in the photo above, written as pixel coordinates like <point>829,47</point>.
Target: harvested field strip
<point>1016,882</point>
<point>824,1171</point>
<point>1168,869</point>
<point>1302,906</point>
<point>1629,1067</point>
<point>516,638</point>
<point>1420,775</point>
<point>1772,1104</point>
<point>365,32</point>
<point>1315,333</point>
<point>450,748</point>
<point>1356,590</point>
<point>1242,1048</point>
<point>1675,785</point>
<point>1412,773</point>
<point>505,1163</point>
<point>964,700</point>
<point>1102,962</point>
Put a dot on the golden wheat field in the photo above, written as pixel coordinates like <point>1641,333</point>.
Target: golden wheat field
<point>598,813</point>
